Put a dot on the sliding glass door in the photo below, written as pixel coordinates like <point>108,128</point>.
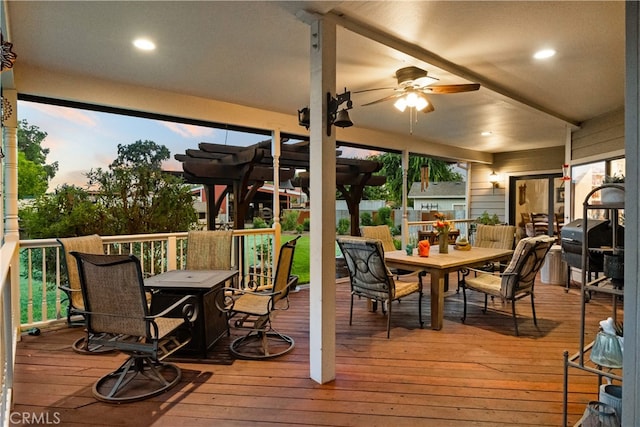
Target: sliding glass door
<point>537,204</point>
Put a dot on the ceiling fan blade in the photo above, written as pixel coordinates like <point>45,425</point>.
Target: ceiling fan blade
<point>429,108</point>
<point>371,90</point>
<point>452,88</point>
<point>386,98</point>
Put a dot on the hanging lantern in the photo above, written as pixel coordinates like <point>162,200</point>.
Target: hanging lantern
<point>565,173</point>
<point>424,178</point>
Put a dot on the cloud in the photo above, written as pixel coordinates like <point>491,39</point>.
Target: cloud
<point>188,131</point>
<point>86,118</point>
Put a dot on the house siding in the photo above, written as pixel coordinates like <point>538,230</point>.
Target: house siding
<point>597,136</point>
<point>493,200</point>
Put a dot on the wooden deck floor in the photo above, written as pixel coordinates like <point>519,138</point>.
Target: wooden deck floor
<point>473,374</point>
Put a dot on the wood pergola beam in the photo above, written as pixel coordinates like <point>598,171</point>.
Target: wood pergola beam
<point>243,170</point>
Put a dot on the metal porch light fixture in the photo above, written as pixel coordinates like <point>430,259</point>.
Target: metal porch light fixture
<point>334,117</point>
<point>495,181</point>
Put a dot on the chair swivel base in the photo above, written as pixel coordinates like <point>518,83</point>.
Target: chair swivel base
<point>138,378</point>
<point>262,345</point>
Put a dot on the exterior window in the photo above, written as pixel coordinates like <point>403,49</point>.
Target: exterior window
<point>588,176</point>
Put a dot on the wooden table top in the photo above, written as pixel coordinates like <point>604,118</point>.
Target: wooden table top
<point>189,279</point>
<point>453,259</point>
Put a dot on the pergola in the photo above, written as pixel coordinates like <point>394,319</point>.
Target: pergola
<point>243,170</point>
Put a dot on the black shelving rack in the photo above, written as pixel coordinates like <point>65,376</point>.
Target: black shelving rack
<point>601,285</point>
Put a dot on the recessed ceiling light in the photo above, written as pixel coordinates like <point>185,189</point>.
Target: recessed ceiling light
<point>544,54</point>
<point>486,133</point>
<point>144,44</point>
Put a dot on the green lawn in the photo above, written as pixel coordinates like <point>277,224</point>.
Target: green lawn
<point>37,301</point>
<point>301,257</point>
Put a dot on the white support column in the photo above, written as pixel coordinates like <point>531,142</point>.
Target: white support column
<point>322,330</point>
<point>631,363</point>
<point>10,168</point>
<point>275,152</point>
<point>405,213</point>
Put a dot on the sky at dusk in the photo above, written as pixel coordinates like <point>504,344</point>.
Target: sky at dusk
<point>81,140</point>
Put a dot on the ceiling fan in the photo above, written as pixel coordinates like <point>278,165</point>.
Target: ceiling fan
<point>413,86</point>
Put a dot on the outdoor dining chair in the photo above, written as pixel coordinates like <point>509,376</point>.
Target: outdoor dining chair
<point>254,311</point>
<point>382,232</point>
<point>121,321</point>
<point>490,236</point>
<point>370,278</point>
<point>209,250</point>
<point>518,279</point>
<point>87,244</point>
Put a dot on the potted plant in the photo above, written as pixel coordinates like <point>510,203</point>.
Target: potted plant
<point>487,219</point>
<point>612,194</point>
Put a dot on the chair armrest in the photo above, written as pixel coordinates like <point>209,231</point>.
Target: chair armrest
<point>231,294</point>
<point>480,271</point>
<point>68,289</point>
<point>189,309</point>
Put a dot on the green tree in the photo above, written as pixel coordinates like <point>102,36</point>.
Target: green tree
<point>131,196</point>
<point>373,192</point>
<point>35,174</point>
<point>30,139</point>
<point>68,211</point>
<point>32,180</point>
<point>138,196</point>
<point>439,170</point>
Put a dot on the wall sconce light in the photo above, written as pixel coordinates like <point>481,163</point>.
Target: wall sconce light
<point>304,117</point>
<point>494,180</point>
<point>334,117</point>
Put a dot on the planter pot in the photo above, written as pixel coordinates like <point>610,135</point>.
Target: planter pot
<point>612,396</point>
<point>612,195</point>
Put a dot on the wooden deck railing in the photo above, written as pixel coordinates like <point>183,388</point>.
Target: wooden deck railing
<point>41,270</point>
<point>463,225</point>
<point>9,329</point>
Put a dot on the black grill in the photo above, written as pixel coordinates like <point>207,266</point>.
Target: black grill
<point>599,234</point>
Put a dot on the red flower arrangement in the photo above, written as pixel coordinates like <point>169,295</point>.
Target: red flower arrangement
<point>442,225</point>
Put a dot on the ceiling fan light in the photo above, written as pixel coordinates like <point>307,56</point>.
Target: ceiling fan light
<point>412,99</point>
<point>421,103</point>
<point>401,104</point>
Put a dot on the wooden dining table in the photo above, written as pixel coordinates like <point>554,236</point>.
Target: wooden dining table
<point>438,266</point>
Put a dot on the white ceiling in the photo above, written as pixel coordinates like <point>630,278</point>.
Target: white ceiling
<point>257,54</point>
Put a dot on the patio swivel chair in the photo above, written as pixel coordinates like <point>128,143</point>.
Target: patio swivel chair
<point>254,310</point>
<point>370,277</point>
<point>518,279</point>
<point>209,250</point>
<point>86,244</point>
<point>117,316</point>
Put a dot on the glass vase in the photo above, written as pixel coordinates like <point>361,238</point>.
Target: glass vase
<point>606,351</point>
